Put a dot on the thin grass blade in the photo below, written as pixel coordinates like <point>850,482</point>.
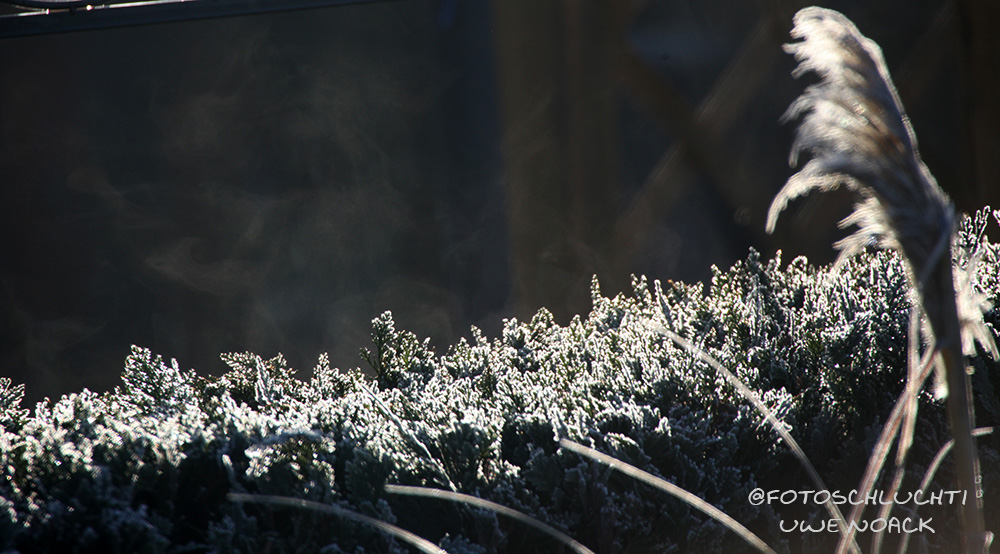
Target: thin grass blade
<point>416,541</point>
<point>881,451</point>
<point>772,419</point>
<point>929,476</point>
<point>671,489</point>
<point>408,435</point>
<point>492,506</point>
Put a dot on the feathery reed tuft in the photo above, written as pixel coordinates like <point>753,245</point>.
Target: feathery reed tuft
<point>854,127</point>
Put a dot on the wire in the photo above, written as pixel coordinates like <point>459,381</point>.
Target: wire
<point>58,16</point>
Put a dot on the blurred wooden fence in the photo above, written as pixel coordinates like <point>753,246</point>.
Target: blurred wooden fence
<point>564,67</point>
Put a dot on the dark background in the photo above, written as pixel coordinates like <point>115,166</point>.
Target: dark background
<point>272,182</point>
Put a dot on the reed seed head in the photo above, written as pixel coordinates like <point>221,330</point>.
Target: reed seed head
<point>856,133</point>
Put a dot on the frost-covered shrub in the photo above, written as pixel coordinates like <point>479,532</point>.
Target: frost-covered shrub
<point>149,466</point>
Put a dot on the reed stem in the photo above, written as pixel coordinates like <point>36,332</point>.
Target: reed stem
<point>959,408</point>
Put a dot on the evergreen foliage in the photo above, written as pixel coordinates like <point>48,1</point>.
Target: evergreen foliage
<point>148,466</point>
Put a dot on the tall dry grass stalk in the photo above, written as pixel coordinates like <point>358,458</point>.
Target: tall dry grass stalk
<point>773,421</point>
<point>477,502</point>
<point>685,496</point>
<point>857,135</point>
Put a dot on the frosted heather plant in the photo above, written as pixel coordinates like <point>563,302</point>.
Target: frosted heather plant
<point>857,135</point>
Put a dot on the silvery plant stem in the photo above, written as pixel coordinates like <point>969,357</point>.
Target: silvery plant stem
<point>960,409</point>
